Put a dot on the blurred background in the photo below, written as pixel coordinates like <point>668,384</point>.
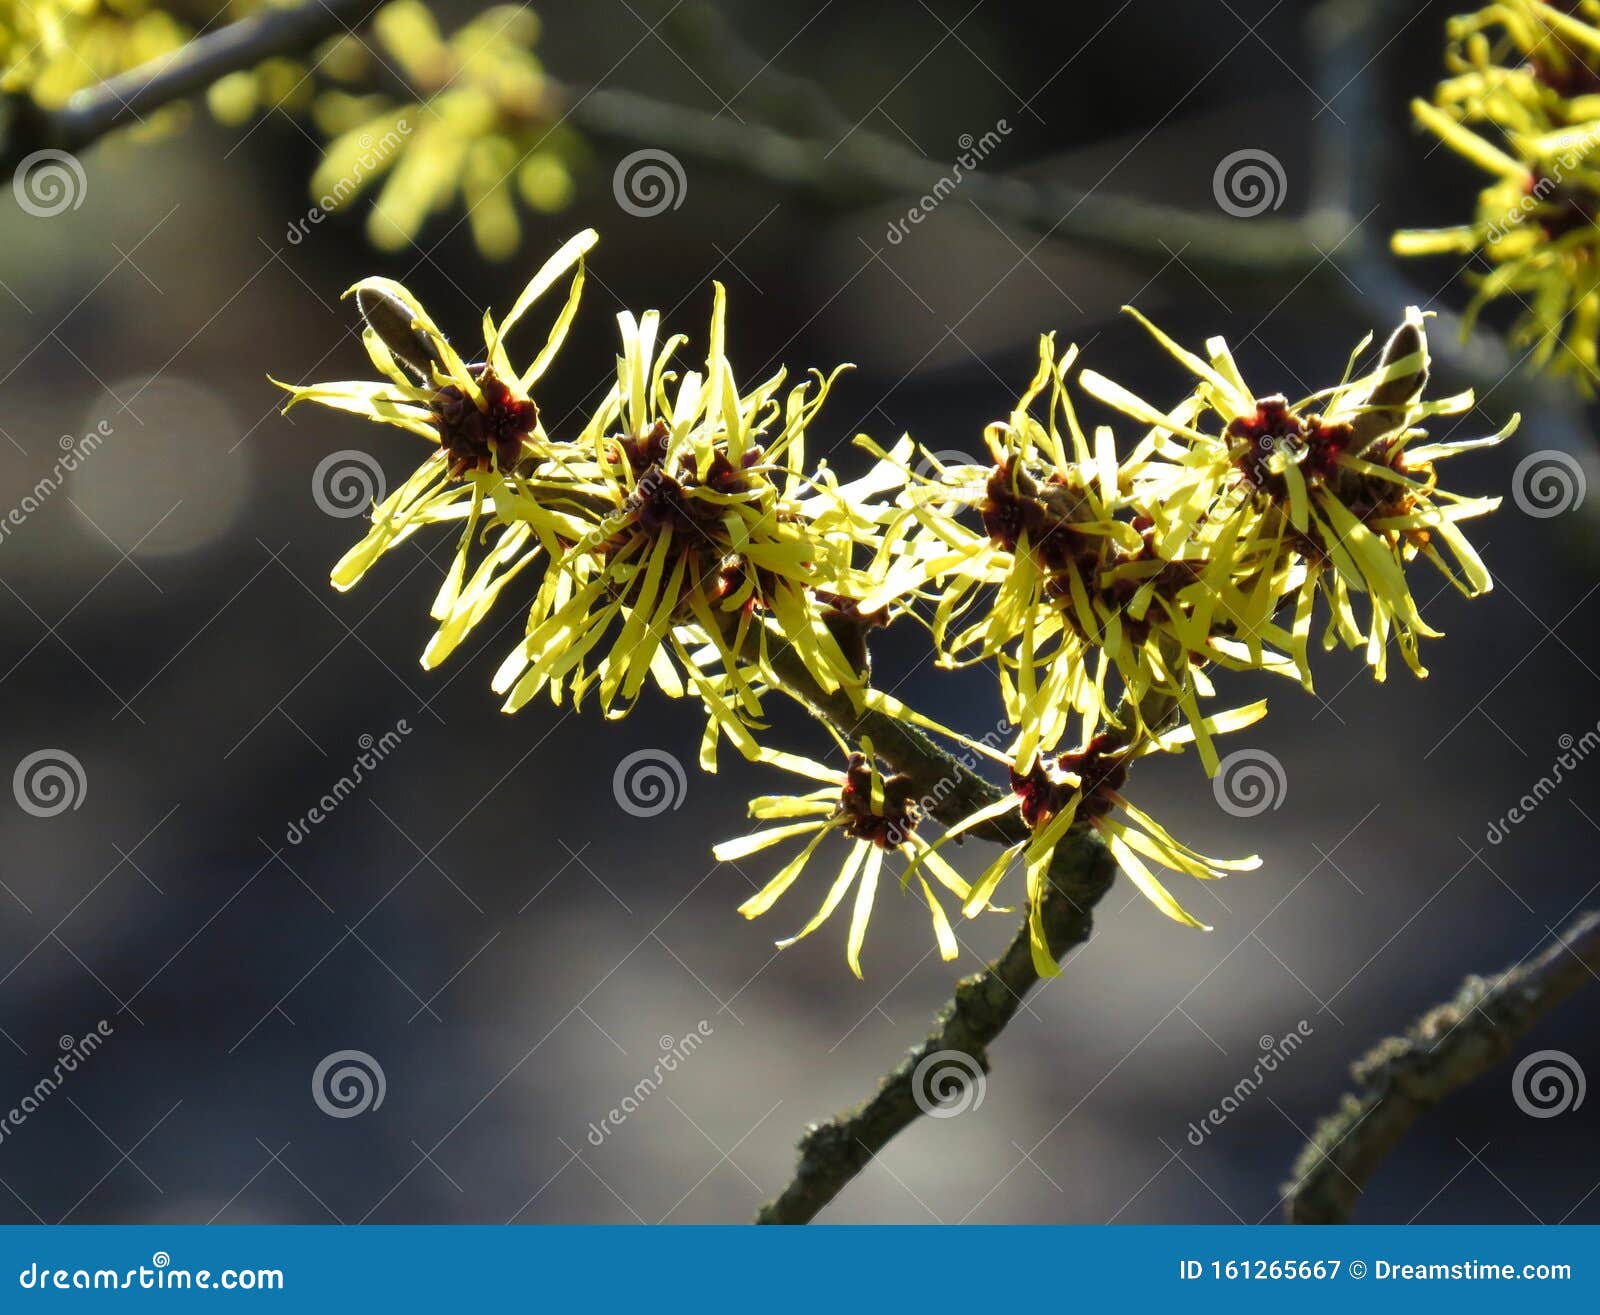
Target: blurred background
<point>515,950</point>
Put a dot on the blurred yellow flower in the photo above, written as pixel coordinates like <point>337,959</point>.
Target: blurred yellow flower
<point>1523,104</point>
<point>430,123</point>
<point>480,126</point>
<point>53,48</point>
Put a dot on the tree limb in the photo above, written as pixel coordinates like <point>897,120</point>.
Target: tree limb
<point>125,99</point>
<point>1403,1077</point>
<point>868,169</point>
<point>834,1152</point>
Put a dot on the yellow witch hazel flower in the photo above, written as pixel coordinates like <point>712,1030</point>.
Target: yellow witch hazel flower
<point>881,814</point>
<point>1082,790</point>
<point>54,48</point>
<point>1338,485</point>
<point>481,417</point>
<point>1523,105</point>
<point>701,551</point>
<point>484,127</point>
<point>878,815</point>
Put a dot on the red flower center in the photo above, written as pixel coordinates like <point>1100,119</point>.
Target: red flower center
<point>477,438</point>
<point>1101,769</point>
<point>1275,436</point>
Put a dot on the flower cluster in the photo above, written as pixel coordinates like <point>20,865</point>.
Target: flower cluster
<point>1522,103</point>
<point>1334,495</point>
<point>678,538</point>
<point>53,48</point>
<point>480,121</point>
<point>677,535</point>
<point>1102,588</point>
<point>434,123</point>
<point>1097,582</point>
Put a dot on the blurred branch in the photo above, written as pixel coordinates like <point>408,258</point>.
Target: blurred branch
<point>1350,146</point>
<point>867,169</point>
<point>737,72</point>
<point>126,99</point>
<point>1405,1076</point>
<point>803,143</point>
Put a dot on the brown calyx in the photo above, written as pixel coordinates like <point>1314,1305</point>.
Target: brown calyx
<point>889,829</point>
<point>480,438</point>
<point>1562,209</point>
<point>849,626</point>
<point>1015,505</point>
<point>663,500</point>
<point>1101,768</point>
